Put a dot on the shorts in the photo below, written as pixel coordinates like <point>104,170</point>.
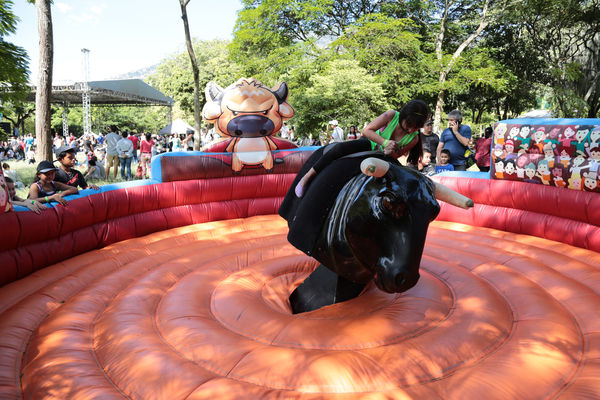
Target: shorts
<point>110,159</point>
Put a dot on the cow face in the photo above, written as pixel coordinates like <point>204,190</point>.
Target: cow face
<point>247,109</point>
<point>377,228</point>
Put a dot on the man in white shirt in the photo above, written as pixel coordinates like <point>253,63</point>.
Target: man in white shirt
<point>338,133</point>
<point>284,131</point>
<point>112,155</point>
<point>125,151</point>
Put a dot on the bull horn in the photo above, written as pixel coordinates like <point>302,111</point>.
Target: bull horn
<point>281,93</point>
<point>444,193</point>
<point>374,167</point>
<point>213,91</point>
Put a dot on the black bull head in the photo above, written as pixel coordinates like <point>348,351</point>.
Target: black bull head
<point>377,228</point>
<point>362,227</point>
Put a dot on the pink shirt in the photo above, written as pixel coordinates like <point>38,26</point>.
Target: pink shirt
<point>146,147</point>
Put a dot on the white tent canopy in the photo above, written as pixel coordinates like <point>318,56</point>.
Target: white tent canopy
<point>178,126</point>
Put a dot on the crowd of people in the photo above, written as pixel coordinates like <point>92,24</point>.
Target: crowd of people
<point>453,150</point>
<point>408,133</point>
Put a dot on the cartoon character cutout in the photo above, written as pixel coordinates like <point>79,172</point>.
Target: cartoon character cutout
<point>577,163</point>
<point>538,137</point>
<point>499,169</point>
<point>247,114</point>
<point>543,172</point>
<point>565,158</point>
<point>566,137</point>
<point>522,161</point>
<point>530,173</point>
<point>590,181</point>
<point>509,149</point>
<point>510,169</point>
<point>595,136</point>
<point>513,133</point>
<point>549,154</point>
<point>580,141</point>
<point>575,181</point>
<point>524,137</point>
<point>557,177</point>
<point>553,136</point>
<point>499,132</point>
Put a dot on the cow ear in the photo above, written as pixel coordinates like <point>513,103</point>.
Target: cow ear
<point>213,92</point>
<point>281,94</point>
<point>211,111</point>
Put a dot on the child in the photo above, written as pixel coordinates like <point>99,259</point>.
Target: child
<point>424,165</point>
<point>46,189</point>
<point>31,155</point>
<point>33,205</point>
<point>396,133</point>
<point>443,162</point>
<point>66,173</point>
<point>94,171</point>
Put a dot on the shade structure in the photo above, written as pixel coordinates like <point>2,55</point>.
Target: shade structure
<point>178,126</point>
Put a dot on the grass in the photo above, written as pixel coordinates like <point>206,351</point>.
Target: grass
<point>27,173</point>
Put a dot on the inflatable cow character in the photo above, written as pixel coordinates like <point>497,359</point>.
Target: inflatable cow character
<point>247,115</point>
<point>363,219</point>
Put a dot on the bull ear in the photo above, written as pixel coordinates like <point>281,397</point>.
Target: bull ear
<point>374,167</point>
<point>213,92</point>
<point>281,93</point>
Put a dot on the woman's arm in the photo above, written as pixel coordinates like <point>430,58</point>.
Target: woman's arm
<point>370,130</point>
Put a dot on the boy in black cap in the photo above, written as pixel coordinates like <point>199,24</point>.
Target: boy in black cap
<point>66,173</point>
<point>46,190</point>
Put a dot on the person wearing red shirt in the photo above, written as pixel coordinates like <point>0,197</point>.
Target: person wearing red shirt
<point>135,141</point>
<point>146,154</point>
<point>483,146</point>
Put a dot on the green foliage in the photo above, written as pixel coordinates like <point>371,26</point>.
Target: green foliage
<point>14,62</point>
<point>342,91</point>
<point>174,75</point>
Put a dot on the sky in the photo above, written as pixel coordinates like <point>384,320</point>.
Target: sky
<point>122,35</point>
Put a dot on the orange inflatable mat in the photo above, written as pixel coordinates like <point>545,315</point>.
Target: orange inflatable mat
<point>201,312</point>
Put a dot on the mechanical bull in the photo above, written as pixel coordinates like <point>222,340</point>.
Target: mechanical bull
<point>247,115</point>
<point>363,217</point>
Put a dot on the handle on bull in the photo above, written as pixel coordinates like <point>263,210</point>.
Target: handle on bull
<point>377,167</point>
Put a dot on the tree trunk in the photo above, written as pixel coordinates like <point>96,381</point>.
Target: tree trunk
<point>439,106</point>
<point>195,71</point>
<point>44,87</point>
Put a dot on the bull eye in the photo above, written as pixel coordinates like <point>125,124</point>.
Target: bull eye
<point>235,113</point>
<point>265,112</point>
<point>392,205</point>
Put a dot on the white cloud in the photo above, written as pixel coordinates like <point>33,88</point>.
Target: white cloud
<point>97,10</point>
<point>63,7</point>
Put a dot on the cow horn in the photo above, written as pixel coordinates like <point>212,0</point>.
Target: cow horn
<point>374,167</point>
<point>281,93</point>
<point>444,193</point>
<point>213,91</point>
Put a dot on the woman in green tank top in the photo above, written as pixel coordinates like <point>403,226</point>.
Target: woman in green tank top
<point>396,133</point>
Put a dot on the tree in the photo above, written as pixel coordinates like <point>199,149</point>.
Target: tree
<point>342,91</point>
<point>44,87</point>
<point>195,72</point>
<point>174,77</point>
<point>13,59</point>
<point>455,9</point>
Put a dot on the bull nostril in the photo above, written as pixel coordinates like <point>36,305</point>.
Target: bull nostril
<point>238,132</point>
<point>263,132</point>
